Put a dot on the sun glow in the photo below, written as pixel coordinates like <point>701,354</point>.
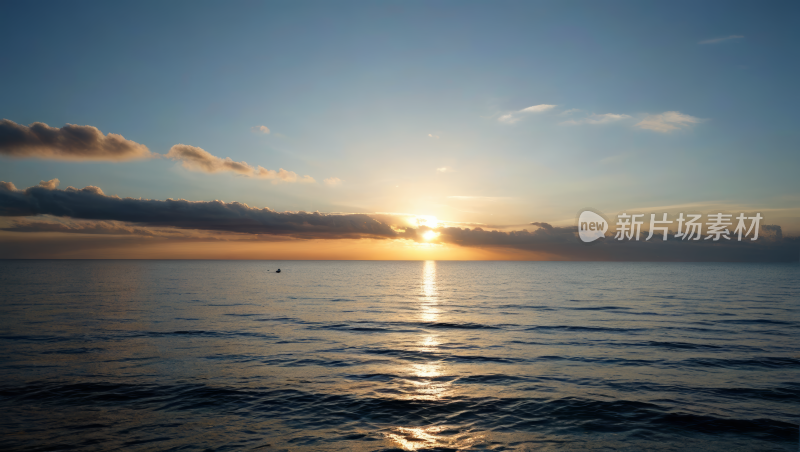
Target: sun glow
<point>426,220</point>
<point>429,235</point>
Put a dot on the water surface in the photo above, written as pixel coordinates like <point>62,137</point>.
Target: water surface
<point>228,355</point>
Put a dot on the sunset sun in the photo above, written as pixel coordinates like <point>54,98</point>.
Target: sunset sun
<point>429,235</point>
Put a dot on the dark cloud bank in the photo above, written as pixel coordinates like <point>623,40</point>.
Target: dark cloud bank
<point>70,142</point>
<point>91,203</point>
<point>562,243</point>
<point>551,242</point>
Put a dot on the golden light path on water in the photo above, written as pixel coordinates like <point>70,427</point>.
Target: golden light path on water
<point>424,377</point>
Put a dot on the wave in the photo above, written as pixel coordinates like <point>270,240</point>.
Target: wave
<point>313,411</point>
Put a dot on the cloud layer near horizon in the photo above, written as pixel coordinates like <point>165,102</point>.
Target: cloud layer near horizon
<point>71,142</point>
<point>90,203</point>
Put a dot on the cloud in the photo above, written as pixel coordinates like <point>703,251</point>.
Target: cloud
<point>445,169</point>
<point>433,136</point>
<point>91,204</point>
<point>73,142</point>
<point>570,111</point>
<point>197,159</point>
<point>542,225</point>
<point>282,176</point>
<point>70,142</point>
<point>718,40</point>
<point>561,243</point>
<point>83,227</point>
<point>515,116</point>
<point>262,129</point>
<point>772,230</point>
<point>664,122</point>
<point>49,224</point>
<point>332,181</point>
<point>667,122</point>
<point>50,184</point>
<point>605,118</point>
<point>537,108</point>
<point>514,239</point>
<point>115,215</point>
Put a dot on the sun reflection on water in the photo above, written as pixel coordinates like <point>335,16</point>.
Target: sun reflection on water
<point>429,301</point>
<point>442,436</point>
<point>423,377</point>
<point>429,380</point>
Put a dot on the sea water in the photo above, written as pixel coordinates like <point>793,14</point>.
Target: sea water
<point>363,356</point>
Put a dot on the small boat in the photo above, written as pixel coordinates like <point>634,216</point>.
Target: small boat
<point>278,270</point>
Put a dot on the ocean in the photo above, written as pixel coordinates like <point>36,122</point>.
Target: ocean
<point>376,356</point>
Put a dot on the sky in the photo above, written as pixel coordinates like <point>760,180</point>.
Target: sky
<point>391,119</point>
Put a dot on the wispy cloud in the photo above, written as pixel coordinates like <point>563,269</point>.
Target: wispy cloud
<point>197,159</point>
<point>718,40</point>
<point>570,111</point>
<point>668,121</point>
<point>537,108</point>
<point>605,118</point>
<point>261,129</point>
<point>514,116</point>
<point>70,142</point>
<point>332,181</point>
<point>433,136</point>
<point>445,169</point>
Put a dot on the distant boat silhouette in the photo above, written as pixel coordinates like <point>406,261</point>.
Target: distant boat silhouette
<point>278,270</point>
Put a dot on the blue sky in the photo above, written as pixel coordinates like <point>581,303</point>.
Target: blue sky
<point>382,94</point>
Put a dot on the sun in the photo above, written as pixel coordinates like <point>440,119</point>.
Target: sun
<point>429,235</point>
<point>425,220</point>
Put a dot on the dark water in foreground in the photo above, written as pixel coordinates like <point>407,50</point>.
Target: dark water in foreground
<point>196,355</point>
